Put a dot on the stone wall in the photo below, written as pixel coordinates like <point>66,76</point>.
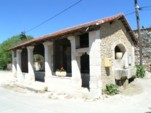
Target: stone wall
<point>146,48</point>
<point>113,34</point>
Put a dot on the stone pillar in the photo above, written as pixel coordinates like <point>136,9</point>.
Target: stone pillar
<point>76,74</point>
<point>133,56</point>
<point>31,74</point>
<point>14,70</point>
<point>48,58</point>
<point>20,76</point>
<point>78,58</point>
<point>95,64</point>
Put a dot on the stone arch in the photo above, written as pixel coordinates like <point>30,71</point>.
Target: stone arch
<point>39,49</point>
<point>39,52</point>
<point>39,62</point>
<point>39,55</point>
<point>119,63</point>
<point>118,46</point>
<point>62,55</point>
<point>119,49</point>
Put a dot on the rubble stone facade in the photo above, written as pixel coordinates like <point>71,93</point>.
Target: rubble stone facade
<point>146,48</point>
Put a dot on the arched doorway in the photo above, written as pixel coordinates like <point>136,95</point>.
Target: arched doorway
<point>62,55</point>
<point>24,61</point>
<point>39,63</point>
<point>85,69</point>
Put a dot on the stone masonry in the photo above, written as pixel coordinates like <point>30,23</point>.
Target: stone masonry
<point>146,48</point>
<point>111,35</point>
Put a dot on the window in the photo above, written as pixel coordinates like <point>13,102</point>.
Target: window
<point>84,40</point>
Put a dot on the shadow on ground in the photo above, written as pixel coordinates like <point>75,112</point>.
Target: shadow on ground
<point>149,110</point>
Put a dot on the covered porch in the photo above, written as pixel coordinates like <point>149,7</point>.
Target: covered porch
<point>65,52</point>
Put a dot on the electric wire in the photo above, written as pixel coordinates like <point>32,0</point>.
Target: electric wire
<point>140,9</point>
<point>149,6</point>
<point>74,4</point>
<point>130,13</point>
<point>54,16</point>
<point>147,9</point>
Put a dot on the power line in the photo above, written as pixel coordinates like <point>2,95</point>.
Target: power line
<point>147,9</point>
<point>149,6</point>
<point>59,13</point>
<point>130,13</point>
<point>74,4</point>
<point>140,9</point>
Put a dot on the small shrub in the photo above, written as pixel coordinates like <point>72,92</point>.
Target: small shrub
<point>112,89</point>
<point>140,71</point>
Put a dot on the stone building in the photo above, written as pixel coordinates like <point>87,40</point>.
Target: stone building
<point>87,53</point>
<point>146,48</point>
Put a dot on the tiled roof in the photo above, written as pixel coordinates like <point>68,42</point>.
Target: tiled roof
<point>70,31</point>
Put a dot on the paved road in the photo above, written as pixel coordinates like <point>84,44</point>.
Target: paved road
<point>12,102</point>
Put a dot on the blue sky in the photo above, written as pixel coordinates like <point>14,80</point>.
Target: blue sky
<point>22,15</point>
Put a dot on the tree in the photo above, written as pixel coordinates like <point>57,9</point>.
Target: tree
<point>5,55</point>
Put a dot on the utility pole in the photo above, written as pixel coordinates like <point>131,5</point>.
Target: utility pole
<point>138,28</point>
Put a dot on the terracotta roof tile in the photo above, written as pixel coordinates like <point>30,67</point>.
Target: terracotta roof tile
<point>75,28</point>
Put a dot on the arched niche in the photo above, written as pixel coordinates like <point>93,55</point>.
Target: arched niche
<point>119,51</point>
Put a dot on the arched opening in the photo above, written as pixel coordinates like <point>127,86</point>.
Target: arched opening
<point>39,63</point>
<point>85,69</point>
<point>24,61</point>
<point>85,63</point>
<point>119,51</point>
<point>62,55</point>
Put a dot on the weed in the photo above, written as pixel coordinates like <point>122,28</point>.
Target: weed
<point>140,71</point>
<point>112,89</point>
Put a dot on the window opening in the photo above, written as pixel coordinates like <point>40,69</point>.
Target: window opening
<point>84,40</point>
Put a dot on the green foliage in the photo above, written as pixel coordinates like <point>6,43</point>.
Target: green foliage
<point>112,89</point>
<point>140,71</point>
<point>5,55</point>
<point>38,58</point>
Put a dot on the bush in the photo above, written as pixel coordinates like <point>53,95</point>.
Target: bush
<point>112,89</point>
<point>140,71</point>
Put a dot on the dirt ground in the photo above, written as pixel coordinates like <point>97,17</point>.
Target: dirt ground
<point>134,98</point>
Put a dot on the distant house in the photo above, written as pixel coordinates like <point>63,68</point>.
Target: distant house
<point>91,54</point>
